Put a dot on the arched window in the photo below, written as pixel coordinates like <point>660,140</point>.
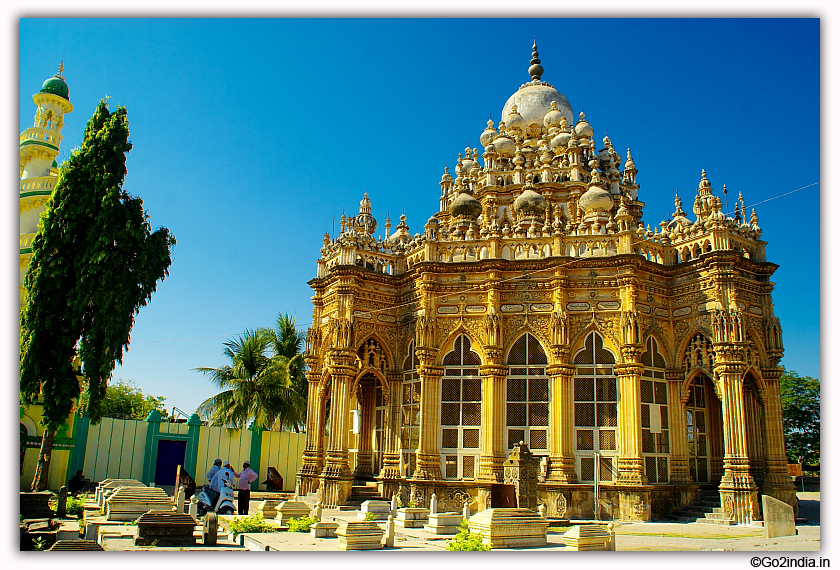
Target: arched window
<point>460,411</point>
<point>410,425</point>
<point>697,414</point>
<point>654,388</point>
<point>527,395</point>
<point>596,410</point>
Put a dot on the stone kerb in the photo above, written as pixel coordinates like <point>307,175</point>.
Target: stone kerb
<point>359,535</point>
<point>779,518</point>
<point>590,537</point>
<point>380,508</point>
<point>411,517</point>
<point>128,503</point>
<point>510,527</point>
<point>443,523</point>
<point>291,509</point>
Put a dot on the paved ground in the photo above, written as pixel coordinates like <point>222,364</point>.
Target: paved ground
<point>657,536</point>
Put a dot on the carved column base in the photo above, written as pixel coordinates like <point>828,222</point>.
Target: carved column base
<point>631,471</point>
<point>634,505</point>
<point>738,491</point>
<point>561,469</point>
<point>337,465</point>
<point>491,469</point>
<point>334,491</point>
<point>680,473</point>
<point>306,484</point>
<point>428,467</point>
<point>391,466</point>
<point>363,464</point>
<point>313,462</point>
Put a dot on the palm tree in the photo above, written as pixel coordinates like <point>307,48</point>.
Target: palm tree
<point>287,343</point>
<point>255,384</point>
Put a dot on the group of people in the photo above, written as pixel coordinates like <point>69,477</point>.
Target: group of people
<point>223,472</point>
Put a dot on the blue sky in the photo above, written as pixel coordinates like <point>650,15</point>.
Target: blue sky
<point>251,135</point>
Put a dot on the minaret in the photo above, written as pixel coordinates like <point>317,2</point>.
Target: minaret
<point>39,147</point>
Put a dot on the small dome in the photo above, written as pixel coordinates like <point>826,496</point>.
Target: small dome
<point>446,176</point>
<point>465,205</point>
<point>561,140</point>
<point>596,198</point>
<point>530,203</point>
<point>553,118</point>
<point>56,86</point>
<point>583,128</point>
<point>489,134</point>
<point>514,121</point>
<point>504,146</point>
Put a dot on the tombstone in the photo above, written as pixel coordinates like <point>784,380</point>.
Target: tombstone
<point>291,509</point>
<point>394,505</point>
<point>71,545</point>
<point>319,511</point>
<point>61,508</point>
<point>521,470</point>
<point>165,528</point>
<point>389,532</point>
<point>510,528</point>
<point>433,506</point>
<point>179,500</point>
<point>194,507</point>
<point>380,508</point>
<point>408,517</point>
<point>109,486</point>
<point>323,529</point>
<point>36,505</point>
<point>589,537</point>
<point>541,510</point>
<point>466,510</point>
<point>778,518</point>
<point>268,508</point>
<point>359,535</point>
<point>128,503</point>
<point>210,530</point>
<point>444,523</point>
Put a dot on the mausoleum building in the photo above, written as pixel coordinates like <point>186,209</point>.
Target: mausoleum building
<point>537,307</point>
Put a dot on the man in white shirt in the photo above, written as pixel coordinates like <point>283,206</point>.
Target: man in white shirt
<point>213,470</point>
<point>247,477</point>
<point>223,474</point>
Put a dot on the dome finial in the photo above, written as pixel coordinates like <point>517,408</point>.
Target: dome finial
<point>536,70</point>
<point>60,71</point>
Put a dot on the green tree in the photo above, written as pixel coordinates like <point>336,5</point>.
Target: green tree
<point>255,384</point>
<point>801,413</point>
<point>287,346</point>
<point>95,262</point>
<point>125,400</point>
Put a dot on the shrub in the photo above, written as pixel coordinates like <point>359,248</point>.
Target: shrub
<point>466,541</point>
<point>371,517</point>
<point>75,505</point>
<point>253,523</point>
<point>301,524</point>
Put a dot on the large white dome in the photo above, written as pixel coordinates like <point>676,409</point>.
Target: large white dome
<point>534,101</point>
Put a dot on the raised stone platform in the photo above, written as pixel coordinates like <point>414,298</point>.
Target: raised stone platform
<point>359,535</point>
<point>379,508</point>
<point>108,486</point>
<point>323,529</point>
<point>291,509</point>
<point>165,528</point>
<point>590,537</point>
<point>128,503</point>
<point>443,523</point>
<point>71,545</point>
<point>510,527</point>
<point>412,517</point>
<point>268,508</point>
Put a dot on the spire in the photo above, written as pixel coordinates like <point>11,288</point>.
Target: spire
<point>536,70</point>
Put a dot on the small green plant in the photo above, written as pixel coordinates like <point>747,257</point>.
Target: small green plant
<point>300,524</point>
<point>466,541</point>
<point>253,523</point>
<point>40,544</point>
<point>371,517</point>
<point>412,504</point>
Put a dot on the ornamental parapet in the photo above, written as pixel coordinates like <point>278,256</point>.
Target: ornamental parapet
<point>38,134</point>
<point>38,184</point>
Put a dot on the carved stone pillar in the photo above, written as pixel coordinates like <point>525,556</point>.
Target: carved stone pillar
<point>428,455</point>
<point>777,483</point>
<point>390,473</point>
<point>521,470</point>
<point>336,478</point>
<point>366,397</point>
<point>494,375</point>
<point>630,465</point>
<point>561,461</point>
<point>738,491</point>
<point>313,454</point>
<point>680,472</point>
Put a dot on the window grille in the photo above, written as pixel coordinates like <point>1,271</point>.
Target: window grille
<point>450,438</point>
<point>696,411</point>
<point>410,421</point>
<point>654,419</point>
<point>527,394</point>
<point>460,408</point>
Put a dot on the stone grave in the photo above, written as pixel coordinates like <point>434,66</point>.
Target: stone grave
<point>291,509</point>
<point>70,545</point>
<point>36,505</point>
<point>521,470</point>
<point>443,523</point>
<point>411,517</point>
<point>778,518</point>
<point>380,508</point>
<point>590,537</point>
<point>107,487</point>
<point>323,529</point>
<point>268,508</point>
<point>359,535</point>
<point>165,528</point>
<point>128,503</point>
<point>506,527</point>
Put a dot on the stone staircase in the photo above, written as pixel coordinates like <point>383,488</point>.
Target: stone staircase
<point>706,510</point>
<point>363,491</point>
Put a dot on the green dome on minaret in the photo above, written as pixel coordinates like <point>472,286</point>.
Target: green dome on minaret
<point>56,85</point>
